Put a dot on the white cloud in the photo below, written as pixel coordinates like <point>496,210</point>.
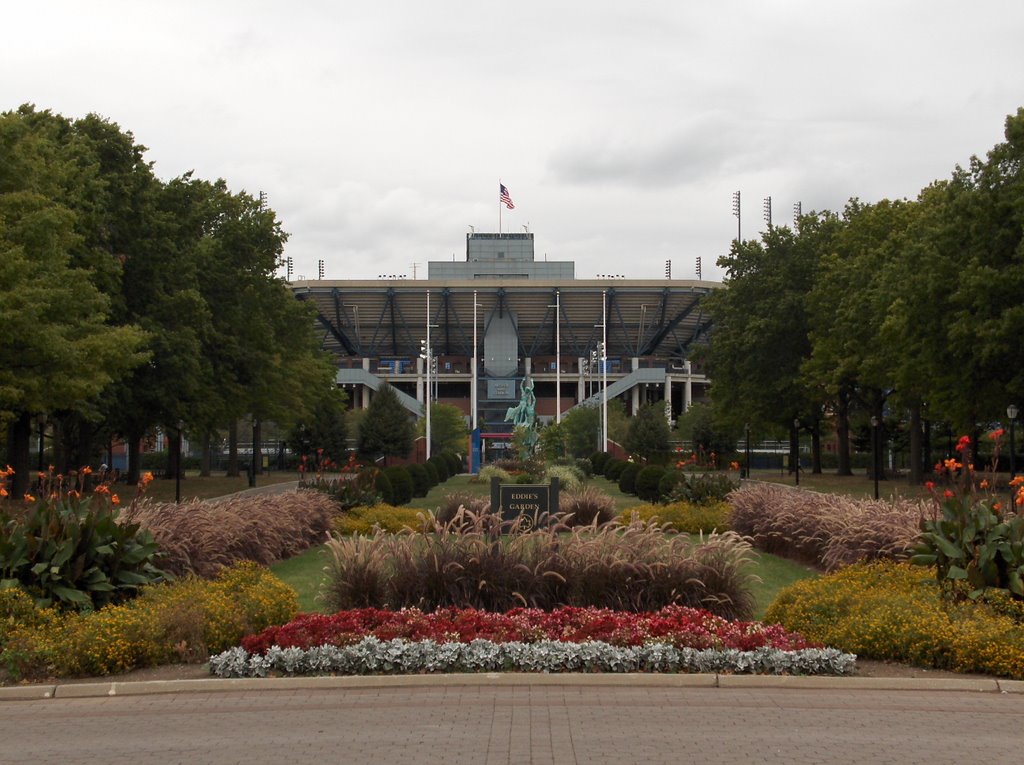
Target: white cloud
<point>379,130</point>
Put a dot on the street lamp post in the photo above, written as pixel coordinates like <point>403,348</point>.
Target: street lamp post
<point>1011,412</point>
<point>746,458</point>
<point>41,422</point>
<point>796,451</point>
<point>874,452</point>
<point>177,467</point>
<point>252,461</point>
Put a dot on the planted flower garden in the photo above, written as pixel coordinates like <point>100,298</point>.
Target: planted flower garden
<point>663,587</point>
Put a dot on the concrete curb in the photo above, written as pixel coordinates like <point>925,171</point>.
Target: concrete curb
<point>511,679</point>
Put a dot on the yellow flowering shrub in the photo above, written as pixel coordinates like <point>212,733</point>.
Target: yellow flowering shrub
<point>682,516</point>
<point>182,621</point>
<point>894,611</point>
<point>362,520</point>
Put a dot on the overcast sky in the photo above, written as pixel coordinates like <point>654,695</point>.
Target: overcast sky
<point>379,129</point>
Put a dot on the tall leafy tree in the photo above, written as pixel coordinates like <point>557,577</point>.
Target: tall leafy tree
<point>325,429</point>
<point>761,334</point>
<point>58,349</point>
<point>448,429</point>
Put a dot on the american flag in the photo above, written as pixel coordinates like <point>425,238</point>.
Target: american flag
<point>504,197</point>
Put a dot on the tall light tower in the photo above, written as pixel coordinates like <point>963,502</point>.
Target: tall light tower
<point>604,370</point>
<point>426,352</point>
<point>558,356</point>
<point>736,212</point>
<point>768,211</point>
<point>474,394</point>
<point>798,211</point>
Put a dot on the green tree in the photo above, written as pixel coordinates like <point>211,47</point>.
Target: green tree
<point>448,429</point>
<point>648,432</point>
<point>849,304</point>
<point>554,441</point>
<point>699,426</point>
<point>58,349</point>
<point>387,430</point>
<point>579,428</point>
<point>325,429</point>
<point>761,334</point>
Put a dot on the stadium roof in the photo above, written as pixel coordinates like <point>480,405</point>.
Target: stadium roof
<point>661,318</point>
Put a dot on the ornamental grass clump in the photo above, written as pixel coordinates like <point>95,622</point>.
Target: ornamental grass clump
<point>570,478</point>
<point>895,612</point>
<point>458,500</point>
<point>203,537</point>
<point>586,506</point>
<point>472,562</point>
<point>825,530</point>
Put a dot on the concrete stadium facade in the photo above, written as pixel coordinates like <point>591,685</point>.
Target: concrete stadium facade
<point>499,317</point>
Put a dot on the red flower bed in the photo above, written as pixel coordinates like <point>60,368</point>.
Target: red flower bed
<point>678,625</point>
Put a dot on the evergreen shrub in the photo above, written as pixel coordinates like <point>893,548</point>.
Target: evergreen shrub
<point>647,481</point>
<point>420,479</point>
<point>627,478</point>
<point>401,484</point>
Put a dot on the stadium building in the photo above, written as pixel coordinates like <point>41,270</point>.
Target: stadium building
<point>471,332</point>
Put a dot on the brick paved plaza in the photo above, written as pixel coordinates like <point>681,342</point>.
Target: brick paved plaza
<point>527,724</point>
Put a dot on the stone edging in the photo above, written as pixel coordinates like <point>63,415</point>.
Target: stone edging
<point>211,685</point>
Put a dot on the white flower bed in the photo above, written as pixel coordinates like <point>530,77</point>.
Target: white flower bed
<point>372,656</point>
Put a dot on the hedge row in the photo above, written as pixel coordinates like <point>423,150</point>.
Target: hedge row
<point>656,483</point>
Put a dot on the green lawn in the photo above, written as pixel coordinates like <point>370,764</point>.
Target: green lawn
<point>305,572</point>
<point>859,485</point>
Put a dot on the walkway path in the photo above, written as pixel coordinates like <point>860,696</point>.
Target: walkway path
<point>555,720</point>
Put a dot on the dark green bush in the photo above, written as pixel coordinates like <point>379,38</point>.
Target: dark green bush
<point>598,459</point>
<point>420,479</point>
<point>613,469</point>
<point>647,482</point>
<point>627,478</point>
<point>667,484</point>
<point>432,473</point>
<point>441,466</point>
<point>77,554</point>
<point>700,487</point>
<point>384,488</point>
<point>354,491</point>
<point>454,463</point>
<point>401,484</point>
